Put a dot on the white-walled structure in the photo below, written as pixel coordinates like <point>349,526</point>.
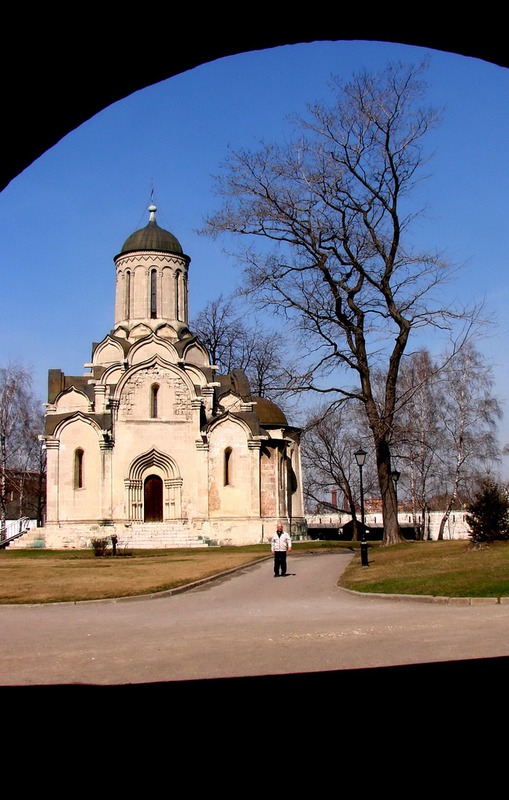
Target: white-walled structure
<point>151,444</point>
<point>455,528</point>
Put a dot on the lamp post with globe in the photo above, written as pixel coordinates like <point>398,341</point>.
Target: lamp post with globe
<point>360,457</point>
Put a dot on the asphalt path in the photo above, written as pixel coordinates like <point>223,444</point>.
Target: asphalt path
<point>246,625</point>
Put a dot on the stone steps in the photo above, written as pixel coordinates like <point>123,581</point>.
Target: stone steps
<point>33,538</point>
<point>136,536</point>
<point>158,536</point>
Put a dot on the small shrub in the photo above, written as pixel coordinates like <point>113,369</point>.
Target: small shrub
<point>488,519</point>
<point>99,546</point>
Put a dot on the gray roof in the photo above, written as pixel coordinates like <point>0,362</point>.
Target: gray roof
<point>269,413</point>
<point>152,237</point>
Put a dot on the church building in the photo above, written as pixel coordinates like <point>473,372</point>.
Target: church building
<point>152,444</point>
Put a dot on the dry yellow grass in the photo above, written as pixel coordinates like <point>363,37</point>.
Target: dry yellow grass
<point>43,577</point>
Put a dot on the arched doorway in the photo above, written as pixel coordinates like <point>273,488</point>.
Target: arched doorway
<point>153,499</point>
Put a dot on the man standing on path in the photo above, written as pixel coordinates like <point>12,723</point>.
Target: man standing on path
<point>281,544</point>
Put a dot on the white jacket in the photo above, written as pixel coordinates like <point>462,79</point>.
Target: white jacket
<point>281,543</point>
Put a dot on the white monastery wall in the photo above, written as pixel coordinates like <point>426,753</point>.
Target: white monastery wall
<point>456,527</point>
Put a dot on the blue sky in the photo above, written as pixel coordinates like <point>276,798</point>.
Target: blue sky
<point>66,216</point>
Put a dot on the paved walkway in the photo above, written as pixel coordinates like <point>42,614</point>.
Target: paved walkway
<point>244,624</point>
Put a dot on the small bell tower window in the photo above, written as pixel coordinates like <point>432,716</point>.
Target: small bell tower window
<point>153,294</point>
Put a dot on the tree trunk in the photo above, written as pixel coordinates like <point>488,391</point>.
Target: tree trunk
<point>392,531</point>
<point>420,528</point>
<point>444,519</point>
<point>353,513</point>
<point>3,486</point>
<point>426,523</point>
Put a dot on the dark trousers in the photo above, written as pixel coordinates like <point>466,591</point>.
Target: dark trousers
<point>280,562</point>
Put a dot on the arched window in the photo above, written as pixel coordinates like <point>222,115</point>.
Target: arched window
<point>127,294</point>
<point>78,468</point>
<point>177,294</point>
<point>153,294</point>
<point>282,471</point>
<point>154,390</point>
<point>228,466</point>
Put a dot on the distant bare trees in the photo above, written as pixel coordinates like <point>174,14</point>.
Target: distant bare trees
<point>236,341</point>
<point>417,432</point>
<point>21,454</point>
<point>446,427</point>
<point>330,437</point>
<point>443,438</point>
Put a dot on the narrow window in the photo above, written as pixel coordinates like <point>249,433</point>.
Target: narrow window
<point>154,390</point>
<point>153,294</point>
<point>227,466</point>
<point>177,294</point>
<point>78,469</point>
<point>127,294</point>
<point>282,470</point>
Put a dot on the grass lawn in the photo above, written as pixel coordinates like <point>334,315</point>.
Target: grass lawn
<point>448,569</point>
<point>443,569</point>
<point>49,576</point>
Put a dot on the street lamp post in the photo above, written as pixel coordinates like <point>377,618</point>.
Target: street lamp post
<point>395,475</point>
<point>360,457</point>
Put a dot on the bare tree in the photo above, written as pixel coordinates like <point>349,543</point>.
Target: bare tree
<point>331,212</point>
<point>417,435</point>
<point>221,330</point>
<point>16,426</point>
<point>445,427</point>
<point>28,475</point>
<point>330,437</point>
<point>252,347</point>
<point>468,415</point>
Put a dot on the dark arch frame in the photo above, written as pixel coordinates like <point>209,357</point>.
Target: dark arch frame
<point>68,76</point>
<point>57,76</point>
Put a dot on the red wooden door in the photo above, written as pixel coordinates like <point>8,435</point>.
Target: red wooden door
<point>153,499</point>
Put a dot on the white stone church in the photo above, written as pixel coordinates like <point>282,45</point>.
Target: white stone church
<point>152,444</point>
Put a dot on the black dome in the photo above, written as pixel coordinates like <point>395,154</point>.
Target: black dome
<point>152,237</point>
<point>268,412</point>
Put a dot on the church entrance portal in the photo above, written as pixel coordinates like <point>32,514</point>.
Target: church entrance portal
<point>153,499</point>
